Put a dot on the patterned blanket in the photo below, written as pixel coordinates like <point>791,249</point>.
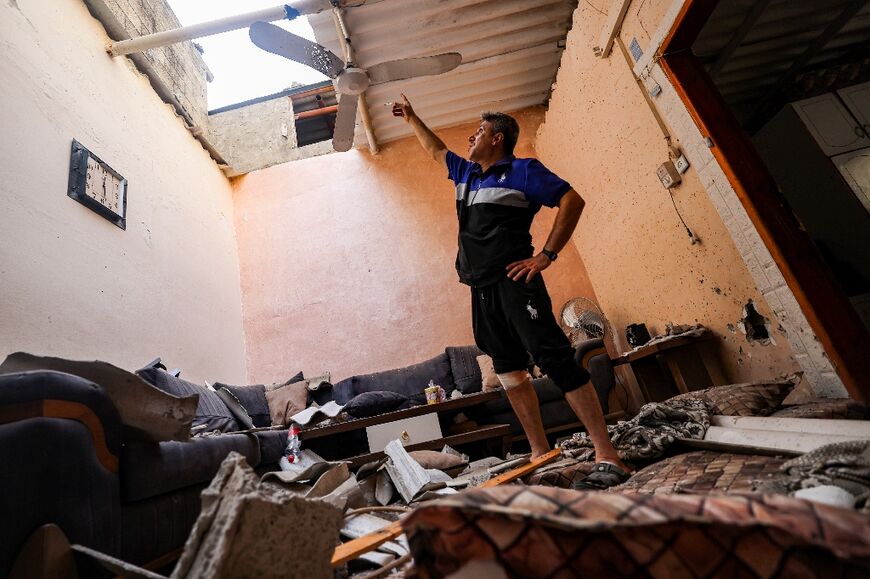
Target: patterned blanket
<point>841,464</point>
<point>647,435</point>
<point>543,532</point>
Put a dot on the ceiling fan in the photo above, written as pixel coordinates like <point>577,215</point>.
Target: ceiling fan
<point>350,80</point>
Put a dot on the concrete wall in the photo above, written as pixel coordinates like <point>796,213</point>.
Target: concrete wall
<point>347,260</point>
<point>259,135</point>
<point>179,67</point>
<point>601,135</point>
<point>71,283</point>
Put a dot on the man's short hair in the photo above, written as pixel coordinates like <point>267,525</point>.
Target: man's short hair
<point>506,125</point>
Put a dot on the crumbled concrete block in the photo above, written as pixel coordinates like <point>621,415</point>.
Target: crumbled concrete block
<point>249,529</point>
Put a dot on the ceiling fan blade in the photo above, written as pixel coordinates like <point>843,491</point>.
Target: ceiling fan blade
<point>278,41</point>
<point>411,67</point>
<point>345,123</point>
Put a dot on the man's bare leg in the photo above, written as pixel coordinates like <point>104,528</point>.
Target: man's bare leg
<point>584,402</point>
<point>524,401</point>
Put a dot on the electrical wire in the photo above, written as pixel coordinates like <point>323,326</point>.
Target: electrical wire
<point>683,221</point>
<point>594,7</point>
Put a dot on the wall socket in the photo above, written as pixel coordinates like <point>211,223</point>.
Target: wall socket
<point>668,174</point>
<point>682,164</point>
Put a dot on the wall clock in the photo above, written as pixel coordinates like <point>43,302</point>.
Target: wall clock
<point>97,186</point>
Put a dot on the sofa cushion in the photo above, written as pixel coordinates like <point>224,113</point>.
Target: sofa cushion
<point>148,469</point>
<point>211,412</point>
<point>272,445</point>
<point>253,398</point>
<point>374,403</point>
<point>463,366</point>
<point>410,380</point>
<point>286,401</point>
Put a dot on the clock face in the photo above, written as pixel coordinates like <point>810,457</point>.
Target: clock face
<point>97,186</point>
<point>103,187</point>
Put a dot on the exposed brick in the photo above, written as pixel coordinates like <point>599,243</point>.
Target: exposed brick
<point>757,272</point>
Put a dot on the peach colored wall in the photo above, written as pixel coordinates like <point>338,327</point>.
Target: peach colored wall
<point>347,260</point>
<point>71,283</point>
<point>599,133</point>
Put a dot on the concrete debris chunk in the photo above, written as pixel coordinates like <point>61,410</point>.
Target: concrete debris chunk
<point>384,489</point>
<point>347,495</point>
<point>406,473</point>
<point>250,529</point>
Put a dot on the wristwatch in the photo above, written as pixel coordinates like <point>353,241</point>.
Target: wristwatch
<point>551,255</point>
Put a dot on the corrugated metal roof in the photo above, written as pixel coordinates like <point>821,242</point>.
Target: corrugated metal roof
<point>511,51</point>
<point>776,39</point>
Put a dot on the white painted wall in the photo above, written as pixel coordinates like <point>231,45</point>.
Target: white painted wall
<point>71,283</point>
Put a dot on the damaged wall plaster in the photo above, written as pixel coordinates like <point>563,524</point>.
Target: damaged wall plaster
<point>72,284</point>
<point>259,135</point>
<point>755,326</point>
<point>347,260</point>
<point>601,135</point>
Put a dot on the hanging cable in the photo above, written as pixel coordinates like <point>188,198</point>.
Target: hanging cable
<point>692,236</point>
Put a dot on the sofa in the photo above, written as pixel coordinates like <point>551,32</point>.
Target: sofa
<point>68,459</point>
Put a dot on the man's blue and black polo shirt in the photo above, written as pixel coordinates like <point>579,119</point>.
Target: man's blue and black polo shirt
<point>495,210</point>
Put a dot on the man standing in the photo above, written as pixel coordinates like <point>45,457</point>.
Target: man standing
<point>497,197</point>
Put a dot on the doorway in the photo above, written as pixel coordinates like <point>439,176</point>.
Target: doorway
<point>782,89</point>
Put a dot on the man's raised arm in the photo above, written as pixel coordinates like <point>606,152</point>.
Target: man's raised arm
<point>428,140</point>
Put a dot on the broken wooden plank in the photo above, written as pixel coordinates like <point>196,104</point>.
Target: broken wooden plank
<point>353,549</point>
<point>615,17</point>
<point>522,471</point>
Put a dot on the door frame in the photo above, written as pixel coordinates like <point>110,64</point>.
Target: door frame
<point>831,316</point>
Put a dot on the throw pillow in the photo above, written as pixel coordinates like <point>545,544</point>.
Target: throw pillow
<point>235,407</point>
<point>374,403</point>
<point>287,401</point>
<point>253,399</point>
<point>436,459</point>
<point>211,413</point>
<point>275,385</point>
<point>488,378</point>
<point>463,365</point>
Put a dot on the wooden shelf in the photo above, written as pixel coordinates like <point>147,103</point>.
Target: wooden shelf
<point>358,423</point>
<point>487,432</point>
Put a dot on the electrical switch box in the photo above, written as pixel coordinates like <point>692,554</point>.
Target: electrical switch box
<point>668,174</point>
<point>682,164</point>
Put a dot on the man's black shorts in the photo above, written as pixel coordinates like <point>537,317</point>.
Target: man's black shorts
<point>514,319</point>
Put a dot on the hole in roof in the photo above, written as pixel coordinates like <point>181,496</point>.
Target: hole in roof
<point>242,71</point>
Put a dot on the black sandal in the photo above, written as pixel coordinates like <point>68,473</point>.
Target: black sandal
<point>603,476</point>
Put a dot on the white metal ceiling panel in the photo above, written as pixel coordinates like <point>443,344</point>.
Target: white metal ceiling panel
<point>511,50</point>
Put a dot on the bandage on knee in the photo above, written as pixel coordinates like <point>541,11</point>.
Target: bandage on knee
<point>513,379</point>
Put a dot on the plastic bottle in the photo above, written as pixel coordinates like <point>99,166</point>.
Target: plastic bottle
<point>294,446</point>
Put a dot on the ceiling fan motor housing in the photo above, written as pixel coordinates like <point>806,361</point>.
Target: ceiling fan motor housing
<point>352,81</point>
